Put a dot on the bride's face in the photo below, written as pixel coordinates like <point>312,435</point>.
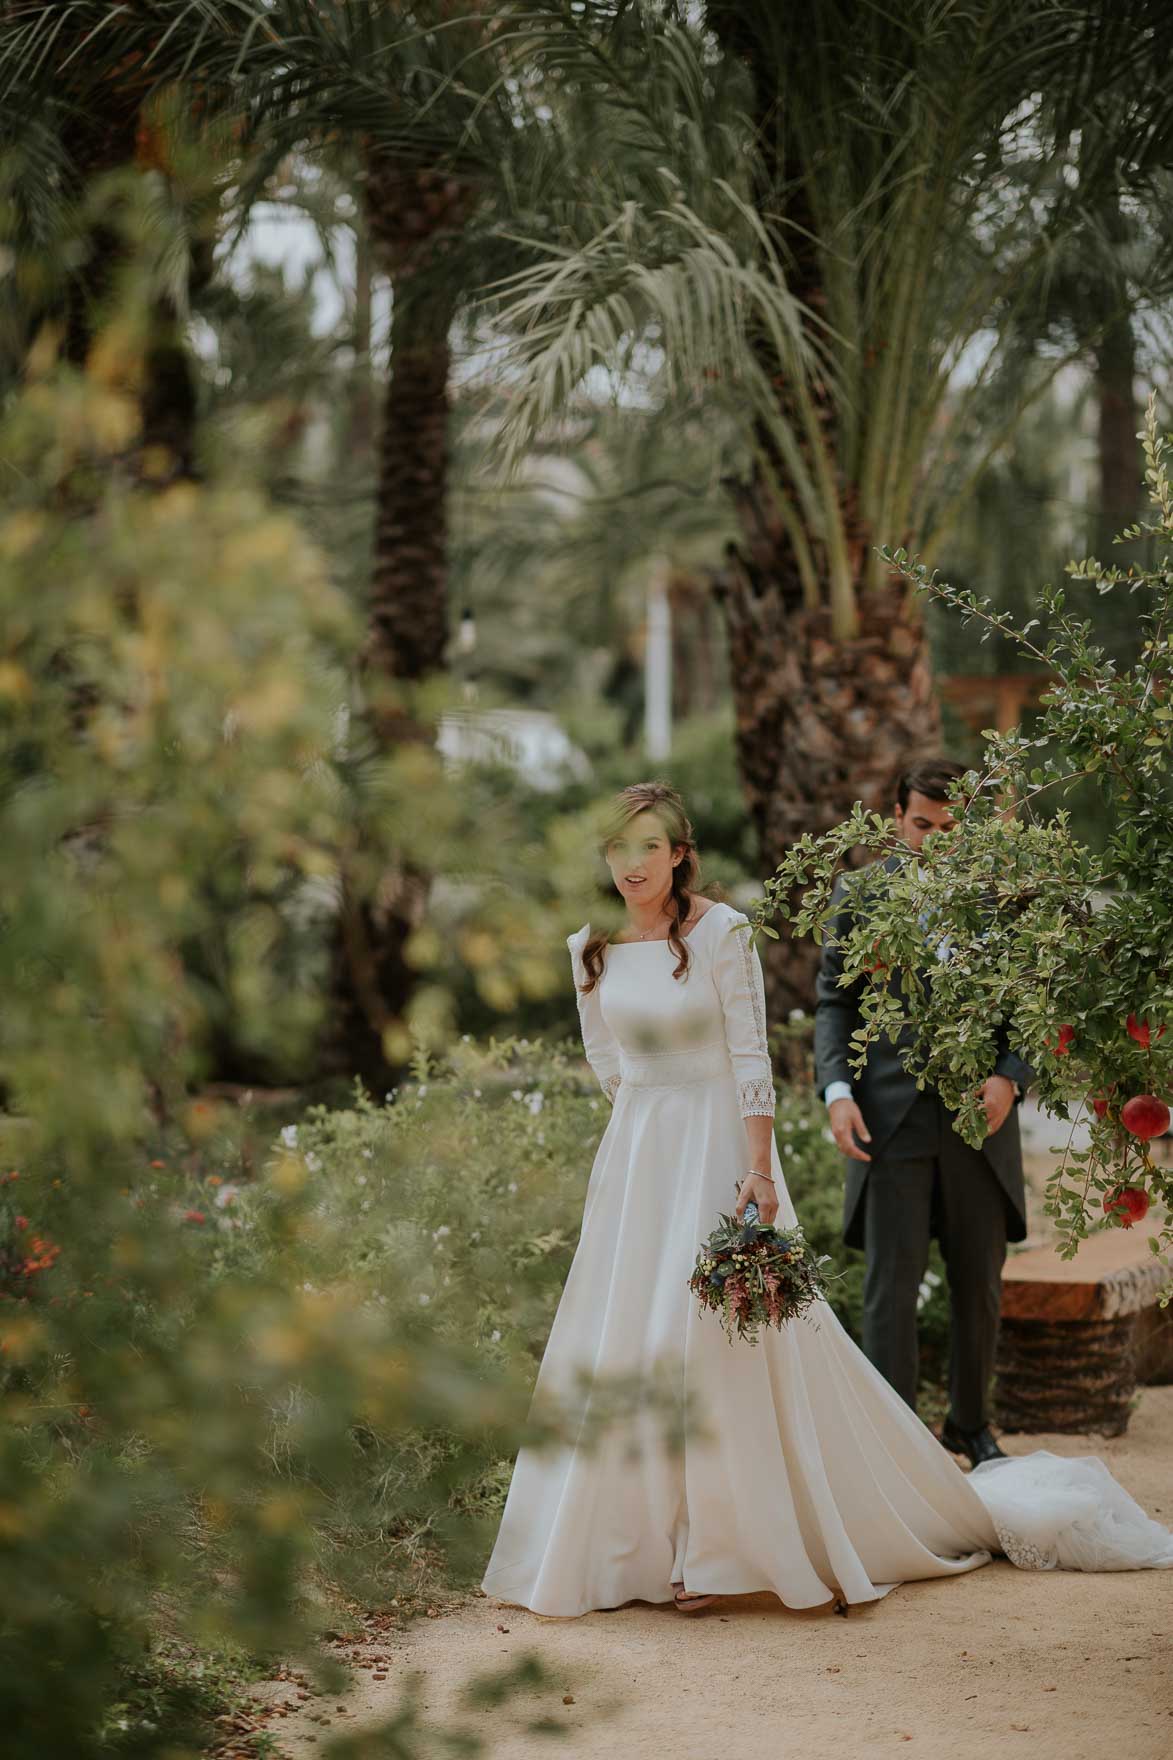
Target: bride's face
<point>641,859</point>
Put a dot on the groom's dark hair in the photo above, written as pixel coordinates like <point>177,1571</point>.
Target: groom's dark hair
<point>931,777</point>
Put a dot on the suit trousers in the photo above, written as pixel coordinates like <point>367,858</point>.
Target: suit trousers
<point>948,1189</point>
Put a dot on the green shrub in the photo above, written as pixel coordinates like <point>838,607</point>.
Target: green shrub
<point>181,1419</point>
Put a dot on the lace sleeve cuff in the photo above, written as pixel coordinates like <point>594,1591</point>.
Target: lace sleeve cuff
<point>610,1086</point>
<point>757,1098</point>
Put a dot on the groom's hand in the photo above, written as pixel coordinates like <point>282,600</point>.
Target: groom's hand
<point>846,1121</point>
<point>997,1098</point>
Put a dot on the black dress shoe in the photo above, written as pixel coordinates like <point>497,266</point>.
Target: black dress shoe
<point>979,1445</point>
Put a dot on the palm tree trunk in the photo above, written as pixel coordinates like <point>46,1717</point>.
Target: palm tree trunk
<point>360,425</point>
<point>409,216</point>
<point>820,725</point>
<point>408,630</point>
<point>833,696</point>
<point>1120,465</point>
<point>406,640</point>
<point>100,138</point>
<point>1121,468</point>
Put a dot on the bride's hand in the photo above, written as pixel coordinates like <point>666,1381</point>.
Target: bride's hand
<point>762,1192</point>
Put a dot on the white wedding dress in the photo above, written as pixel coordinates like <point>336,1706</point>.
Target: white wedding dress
<point>812,1478</point>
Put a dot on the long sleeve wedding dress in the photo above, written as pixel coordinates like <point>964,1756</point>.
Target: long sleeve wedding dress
<point>789,1465</point>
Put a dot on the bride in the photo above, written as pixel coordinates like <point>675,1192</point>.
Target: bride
<point>795,1467</point>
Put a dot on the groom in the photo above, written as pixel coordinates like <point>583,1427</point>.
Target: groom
<point>909,1174</point>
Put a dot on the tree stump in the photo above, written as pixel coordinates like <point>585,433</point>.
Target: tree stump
<point>1077,1335</point>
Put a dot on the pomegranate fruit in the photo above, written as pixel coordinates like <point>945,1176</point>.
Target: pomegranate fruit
<point>1145,1116</point>
<point>1130,1203</point>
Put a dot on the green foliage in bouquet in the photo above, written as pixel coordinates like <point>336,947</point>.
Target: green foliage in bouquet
<point>753,1275</point>
<point>1019,923</point>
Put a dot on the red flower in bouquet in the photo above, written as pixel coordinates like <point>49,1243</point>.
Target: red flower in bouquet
<point>1141,1032</point>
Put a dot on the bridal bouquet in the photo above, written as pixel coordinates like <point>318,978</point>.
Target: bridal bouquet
<point>755,1275</point>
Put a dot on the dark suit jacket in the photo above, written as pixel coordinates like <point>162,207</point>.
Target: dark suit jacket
<point>885,1092</point>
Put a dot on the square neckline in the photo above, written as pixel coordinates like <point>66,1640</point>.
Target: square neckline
<point>663,941</point>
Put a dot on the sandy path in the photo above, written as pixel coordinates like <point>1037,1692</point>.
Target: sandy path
<point>1047,1664</point>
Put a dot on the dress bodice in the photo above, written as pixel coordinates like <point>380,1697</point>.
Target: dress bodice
<point>645,1028</point>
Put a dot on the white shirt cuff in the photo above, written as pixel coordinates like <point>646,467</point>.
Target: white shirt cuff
<point>837,1091</point>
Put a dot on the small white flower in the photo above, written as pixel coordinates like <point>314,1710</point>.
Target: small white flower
<point>308,1288</point>
<point>360,1179</point>
<point>523,1044</point>
<point>424,1300</point>
<point>798,1014</point>
<point>513,1185</point>
<point>495,1335</point>
<point>466,1038</point>
<point>787,1127</point>
<point>367,1154</point>
<point>828,1136</point>
<point>439,1233</point>
<point>289,1136</point>
<point>423,1088</point>
<point>365,1205</point>
<point>594,1105</point>
<point>541,1138</point>
<point>535,1101</point>
<point>517,1094</point>
<point>312,1161</point>
<point>391,1095</point>
<point>226,1195</point>
<point>475,1235</point>
<point>476,1093</point>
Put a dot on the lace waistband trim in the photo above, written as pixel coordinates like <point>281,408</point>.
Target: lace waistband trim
<point>676,1069</point>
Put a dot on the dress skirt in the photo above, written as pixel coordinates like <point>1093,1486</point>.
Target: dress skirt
<point>799,1470</point>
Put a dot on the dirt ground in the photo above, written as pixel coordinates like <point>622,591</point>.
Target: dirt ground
<point>1054,1665</point>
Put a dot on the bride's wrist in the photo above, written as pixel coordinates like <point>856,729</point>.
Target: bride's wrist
<point>756,1173</point>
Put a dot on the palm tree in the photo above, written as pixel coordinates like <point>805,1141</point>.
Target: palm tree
<point>1109,279</point>
<point>84,181</point>
<point>901,181</point>
<point>371,83</point>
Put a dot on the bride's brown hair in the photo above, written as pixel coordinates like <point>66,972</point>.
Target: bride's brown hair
<point>666,804</point>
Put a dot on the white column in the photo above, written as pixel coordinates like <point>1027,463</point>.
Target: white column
<point>658,663</point>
